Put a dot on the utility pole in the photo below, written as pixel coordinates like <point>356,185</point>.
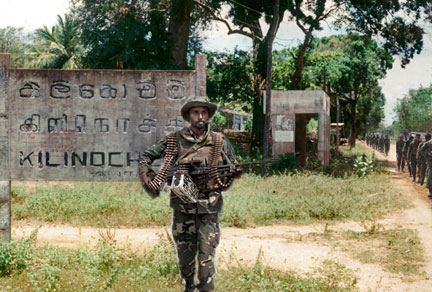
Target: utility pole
<point>267,128</point>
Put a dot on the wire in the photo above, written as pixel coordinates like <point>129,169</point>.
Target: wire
<point>248,24</point>
<point>251,9</point>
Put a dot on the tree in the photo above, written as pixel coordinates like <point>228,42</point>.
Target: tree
<point>370,111</point>
<point>123,34</point>
<point>381,18</point>
<point>59,47</point>
<point>141,34</point>
<point>354,64</point>
<point>14,42</point>
<point>230,79</point>
<point>414,111</point>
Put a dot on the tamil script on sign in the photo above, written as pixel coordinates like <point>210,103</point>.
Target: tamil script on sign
<point>90,124</point>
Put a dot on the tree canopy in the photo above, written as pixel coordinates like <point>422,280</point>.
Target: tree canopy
<point>414,111</point>
<point>59,47</point>
<point>16,43</point>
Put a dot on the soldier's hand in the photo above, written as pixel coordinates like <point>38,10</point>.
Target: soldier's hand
<point>145,179</point>
<point>146,184</point>
<point>237,172</point>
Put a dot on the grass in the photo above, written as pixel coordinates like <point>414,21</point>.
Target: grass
<point>107,268</point>
<point>252,200</point>
<point>398,251</point>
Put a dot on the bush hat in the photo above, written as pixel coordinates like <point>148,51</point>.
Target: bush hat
<point>197,101</point>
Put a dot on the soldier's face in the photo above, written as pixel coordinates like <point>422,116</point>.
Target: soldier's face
<point>198,117</point>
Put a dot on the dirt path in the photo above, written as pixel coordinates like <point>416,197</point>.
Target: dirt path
<point>281,246</point>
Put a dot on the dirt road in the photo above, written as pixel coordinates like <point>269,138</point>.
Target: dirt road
<point>281,246</point>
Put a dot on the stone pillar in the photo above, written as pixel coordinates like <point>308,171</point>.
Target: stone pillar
<point>5,198</point>
<point>201,75</point>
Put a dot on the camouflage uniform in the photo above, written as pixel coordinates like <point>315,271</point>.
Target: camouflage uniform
<point>405,155</point>
<point>426,151</point>
<point>399,147</point>
<point>195,226</point>
<point>387,145</point>
<point>412,156</point>
<point>421,162</point>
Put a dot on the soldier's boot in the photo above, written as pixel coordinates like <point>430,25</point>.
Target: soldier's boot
<point>430,193</point>
<point>189,286</point>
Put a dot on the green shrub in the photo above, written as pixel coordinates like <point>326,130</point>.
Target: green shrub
<point>248,125</point>
<point>15,256</point>
<point>287,163</point>
<point>363,165</point>
<point>218,121</point>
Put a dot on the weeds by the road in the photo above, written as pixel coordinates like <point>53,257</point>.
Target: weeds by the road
<point>108,268</point>
<point>308,197</point>
<point>331,276</point>
<point>252,200</point>
<point>398,251</point>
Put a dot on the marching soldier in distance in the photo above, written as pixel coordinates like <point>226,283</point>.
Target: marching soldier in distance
<point>422,160</point>
<point>196,196</point>
<point>386,144</point>
<point>412,155</point>
<point>405,158</point>
<point>399,146</point>
<point>426,150</point>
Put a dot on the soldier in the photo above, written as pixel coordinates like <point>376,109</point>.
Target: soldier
<point>405,155</point>
<point>382,143</point>
<point>386,144</point>
<point>195,226</point>
<point>426,150</point>
<point>421,160</point>
<point>412,155</point>
<point>399,146</point>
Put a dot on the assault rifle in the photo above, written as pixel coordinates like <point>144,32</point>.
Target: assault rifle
<point>201,174</point>
<point>194,169</point>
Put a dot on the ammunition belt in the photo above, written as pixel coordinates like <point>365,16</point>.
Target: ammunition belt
<point>160,179</point>
<point>214,159</point>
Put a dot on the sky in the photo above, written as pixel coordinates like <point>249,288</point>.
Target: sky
<point>33,14</point>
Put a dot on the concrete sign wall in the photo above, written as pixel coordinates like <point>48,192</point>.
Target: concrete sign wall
<point>92,124</point>
<point>5,203</point>
<point>285,105</point>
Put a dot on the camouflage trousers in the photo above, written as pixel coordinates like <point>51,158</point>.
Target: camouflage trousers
<point>413,165</point>
<point>197,236</point>
<point>399,160</point>
<point>429,175</point>
<point>422,170</point>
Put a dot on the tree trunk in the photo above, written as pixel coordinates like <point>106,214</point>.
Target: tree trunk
<point>297,77</point>
<point>260,74</point>
<point>353,131</point>
<point>267,125</point>
<point>179,27</point>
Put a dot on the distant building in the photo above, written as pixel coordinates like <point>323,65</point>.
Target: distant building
<point>234,120</point>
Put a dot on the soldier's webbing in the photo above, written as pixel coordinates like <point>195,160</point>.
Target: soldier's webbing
<point>171,150</point>
<point>214,159</point>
